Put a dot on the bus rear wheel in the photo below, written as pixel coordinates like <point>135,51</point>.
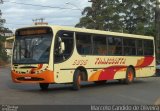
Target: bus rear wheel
<point>129,76</point>
<point>44,86</point>
<point>77,80</point>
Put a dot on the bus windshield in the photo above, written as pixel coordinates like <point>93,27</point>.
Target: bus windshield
<point>32,49</point>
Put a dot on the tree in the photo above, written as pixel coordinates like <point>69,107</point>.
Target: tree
<point>138,16</point>
<point>129,16</point>
<point>2,21</point>
<point>101,15</point>
<point>3,55</point>
<point>93,18</point>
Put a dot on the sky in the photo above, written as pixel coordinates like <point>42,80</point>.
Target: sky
<point>18,15</point>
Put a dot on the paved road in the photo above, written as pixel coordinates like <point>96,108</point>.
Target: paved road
<point>143,91</point>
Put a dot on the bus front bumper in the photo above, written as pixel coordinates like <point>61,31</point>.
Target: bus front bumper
<point>44,77</point>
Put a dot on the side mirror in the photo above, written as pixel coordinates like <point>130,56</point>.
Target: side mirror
<point>62,48</point>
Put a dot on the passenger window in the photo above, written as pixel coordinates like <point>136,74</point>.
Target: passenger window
<point>84,45</point>
<point>148,47</point>
<point>140,49</point>
<point>129,46</point>
<point>114,46</point>
<point>99,45</point>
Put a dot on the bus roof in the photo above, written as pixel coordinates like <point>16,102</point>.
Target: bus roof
<point>93,31</point>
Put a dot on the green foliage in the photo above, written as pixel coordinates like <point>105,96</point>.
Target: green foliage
<point>129,16</point>
<point>2,21</point>
<point>138,16</point>
<point>3,54</point>
<point>101,16</point>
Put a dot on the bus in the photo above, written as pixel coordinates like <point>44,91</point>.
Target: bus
<point>51,54</point>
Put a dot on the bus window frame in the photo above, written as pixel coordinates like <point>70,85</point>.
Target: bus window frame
<point>56,36</point>
<point>122,38</point>
<point>52,37</point>
<point>91,40</point>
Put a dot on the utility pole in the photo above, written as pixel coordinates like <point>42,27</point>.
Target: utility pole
<point>39,21</point>
<point>157,26</point>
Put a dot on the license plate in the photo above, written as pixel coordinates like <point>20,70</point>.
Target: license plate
<point>27,77</point>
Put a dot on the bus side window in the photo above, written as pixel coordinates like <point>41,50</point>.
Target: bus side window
<point>129,46</point>
<point>67,38</point>
<point>83,42</point>
<point>114,45</point>
<point>140,49</point>
<point>148,47</point>
<point>99,45</point>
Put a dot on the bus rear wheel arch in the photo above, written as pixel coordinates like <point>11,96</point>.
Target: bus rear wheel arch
<point>130,75</point>
<point>84,75</point>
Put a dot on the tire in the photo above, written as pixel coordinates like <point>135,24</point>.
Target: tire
<point>77,80</point>
<point>44,86</point>
<point>129,76</point>
<point>100,82</point>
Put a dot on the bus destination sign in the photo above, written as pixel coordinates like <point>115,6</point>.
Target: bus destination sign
<point>33,31</point>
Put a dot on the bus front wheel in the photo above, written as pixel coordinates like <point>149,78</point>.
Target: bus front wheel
<point>44,86</point>
<point>77,80</point>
